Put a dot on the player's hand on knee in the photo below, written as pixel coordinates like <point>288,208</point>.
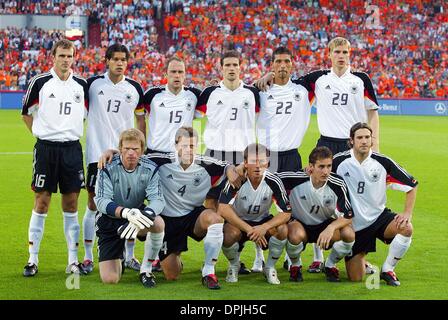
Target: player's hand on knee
<point>137,217</point>
<point>129,231</point>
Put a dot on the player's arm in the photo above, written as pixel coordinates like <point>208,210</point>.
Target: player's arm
<point>104,195</point>
<point>399,179</point>
<point>374,122</point>
<point>154,194</point>
<point>30,103</point>
<point>281,200</point>
<point>257,234</point>
<point>226,210</point>
<point>106,157</point>
<point>402,220</point>
<point>228,213</point>
<point>140,110</point>
<point>28,122</point>
<point>371,105</point>
<point>265,82</point>
<point>141,123</point>
<point>326,235</point>
<point>218,169</point>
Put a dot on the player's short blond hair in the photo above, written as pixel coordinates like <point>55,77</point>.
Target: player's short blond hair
<point>64,44</point>
<point>132,135</point>
<point>338,41</point>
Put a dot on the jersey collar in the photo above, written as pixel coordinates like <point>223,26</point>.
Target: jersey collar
<point>106,76</point>
<point>284,85</point>
<point>262,179</point>
<point>54,74</point>
<point>365,160</point>
<point>317,190</point>
<point>221,84</point>
<point>168,91</point>
<point>346,73</point>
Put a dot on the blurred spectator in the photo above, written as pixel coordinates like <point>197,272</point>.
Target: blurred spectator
<point>402,45</point>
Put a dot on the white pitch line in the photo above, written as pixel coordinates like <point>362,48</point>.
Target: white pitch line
<point>14,153</point>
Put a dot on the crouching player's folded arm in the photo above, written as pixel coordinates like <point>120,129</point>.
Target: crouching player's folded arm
<point>105,194</point>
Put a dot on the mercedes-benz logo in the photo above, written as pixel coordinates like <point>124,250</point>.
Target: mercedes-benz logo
<point>440,108</point>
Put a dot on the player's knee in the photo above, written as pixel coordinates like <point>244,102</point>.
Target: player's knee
<point>159,225</point>
<point>230,238</point>
<point>110,278</point>
<point>295,239</point>
<point>282,232</point>
<point>348,235</point>
<point>407,231</point>
<point>354,277</point>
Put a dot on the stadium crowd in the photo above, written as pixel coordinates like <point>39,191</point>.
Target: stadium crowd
<point>402,46</point>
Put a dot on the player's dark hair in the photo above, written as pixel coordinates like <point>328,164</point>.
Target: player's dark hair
<point>320,153</point>
<point>185,132</point>
<point>280,50</point>
<point>117,48</point>
<point>357,126</point>
<point>230,54</point>
<point>256,148</point>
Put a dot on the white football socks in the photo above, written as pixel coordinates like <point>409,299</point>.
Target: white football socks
<point>88,228</point>
<point>212,245</point>
<point>71,231</point>
<point>397,249</point>
<point>35,234</point>
<point>294,251</point>
<point>275,251</point>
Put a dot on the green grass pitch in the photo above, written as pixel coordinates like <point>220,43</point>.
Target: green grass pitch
<point>419,144</point>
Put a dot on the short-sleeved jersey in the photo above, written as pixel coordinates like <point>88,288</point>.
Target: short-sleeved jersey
<point>111,111</point>
<point>116,186</point>
<point>187,189</point>
<point>367,183</point>
<point>284,116</point>
<point>167,113</point>
<point>313,206</point>
<point>231,116</point>
<point>253,204</point>
<point>340,101</point>
<point>58,107</point>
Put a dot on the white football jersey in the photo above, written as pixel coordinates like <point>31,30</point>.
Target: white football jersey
<point>340,101</point>
<point>230,116</point>
<point>167,113</point>
<point>313,206</point>
<point>367,182</point>
<point>253,204</point>
<point>284,116</point>
<point>58,107</point>
<point>111,111</point>
<point>184,190</point>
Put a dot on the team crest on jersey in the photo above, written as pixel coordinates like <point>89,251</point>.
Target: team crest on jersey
<point>354,89</point>
<point>128,97</point>
<point>77,97</point>
<point>246,104</point>
<point>189,105</point>
<point>328,201</point>
<point>197,180</point>
<point>265,198</point>
<point>297,96</point>
<point>374,174</point>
